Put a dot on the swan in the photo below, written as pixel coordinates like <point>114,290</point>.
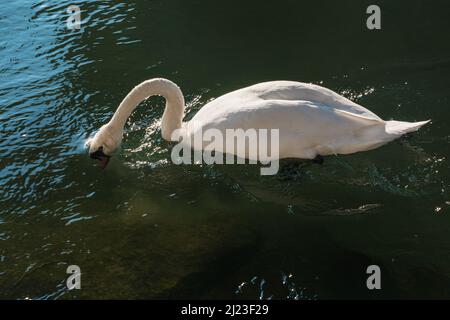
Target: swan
<point>313,121</point>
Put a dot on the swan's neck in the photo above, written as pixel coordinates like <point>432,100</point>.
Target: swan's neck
<point>173,114</point>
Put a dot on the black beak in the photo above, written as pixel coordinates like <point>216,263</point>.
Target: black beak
<point>99,155</point>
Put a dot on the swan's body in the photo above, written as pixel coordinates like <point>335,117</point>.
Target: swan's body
<point>311,119</point>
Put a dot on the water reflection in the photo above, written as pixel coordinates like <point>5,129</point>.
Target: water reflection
<point>292,291</point>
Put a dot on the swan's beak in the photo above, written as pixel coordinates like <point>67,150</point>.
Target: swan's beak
<point>100,156</point>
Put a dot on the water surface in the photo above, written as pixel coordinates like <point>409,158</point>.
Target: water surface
<point>146,228</point>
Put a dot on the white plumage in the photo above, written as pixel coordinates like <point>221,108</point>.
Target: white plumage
<point>312,120</point>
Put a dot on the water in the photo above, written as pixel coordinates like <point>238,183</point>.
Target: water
<point>145,228</point>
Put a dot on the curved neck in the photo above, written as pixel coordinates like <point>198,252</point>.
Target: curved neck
<point>173,114</point>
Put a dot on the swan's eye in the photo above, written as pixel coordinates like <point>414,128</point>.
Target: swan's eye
<point>100,156</point>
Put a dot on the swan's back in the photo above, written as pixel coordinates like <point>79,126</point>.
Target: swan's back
<point>311,119</point>
<point>287,90</point>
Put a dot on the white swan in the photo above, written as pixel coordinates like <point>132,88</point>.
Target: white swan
<point>312,120</point>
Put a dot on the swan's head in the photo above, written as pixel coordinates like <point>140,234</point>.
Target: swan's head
<point>103,144</point>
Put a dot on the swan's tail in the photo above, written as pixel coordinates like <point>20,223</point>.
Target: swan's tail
<point>400,127</point>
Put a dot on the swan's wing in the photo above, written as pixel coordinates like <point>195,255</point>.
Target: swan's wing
<point>299,117</point>
<point>306,128</point>
<point>289,90</point>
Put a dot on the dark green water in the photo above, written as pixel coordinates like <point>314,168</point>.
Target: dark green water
<point>145,228</point>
